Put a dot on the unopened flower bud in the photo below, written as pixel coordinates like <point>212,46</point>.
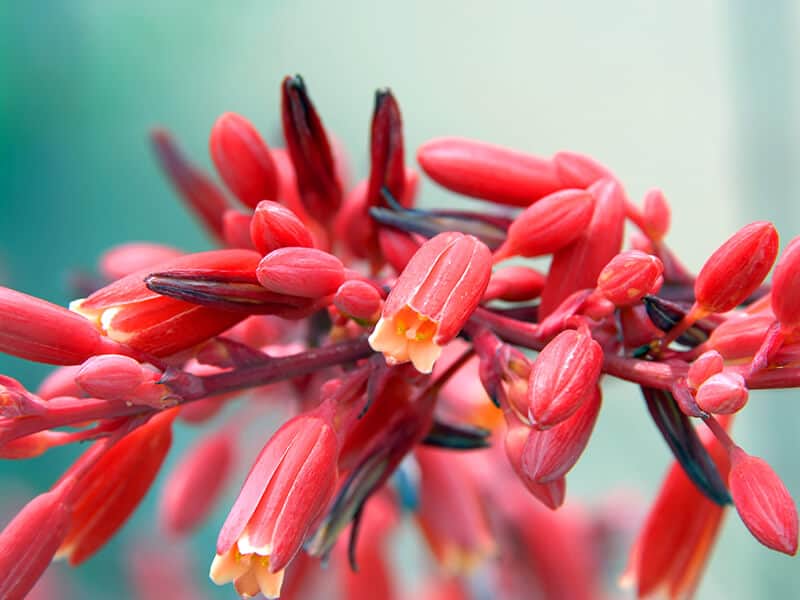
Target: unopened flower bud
<point>433,298</point>
<point>548,225</point>
<point>786,286</point>
<point>578,170</point>
<point>29,542</point>
<point>487,171</point>
<point>311,152</point>
<point>763,502</point>
<point>737,267</point>
<point>548,455</point>
<point>274,226</point>
<point>195,484</point>
<point>562,376</point>
<point>656,214</point>
<point>243,160</point>
<point>304,272</point>
<point>125,259</point>
<point>722,393</point>
<point>236,230</point>
<point>515,283</point>
<point>397,247</point>
<point>110,376</point>
<point>629,277</point>
<point>704,366</point>
<point>358,299</point>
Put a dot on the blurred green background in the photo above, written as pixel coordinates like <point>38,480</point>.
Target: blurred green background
<point>698,98</point>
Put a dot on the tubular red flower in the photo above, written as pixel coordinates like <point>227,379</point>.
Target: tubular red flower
<point>736,268</point>
<point>763,502</point>
<point>514,283</point>
<point>114,486</point>
<point>487,171</point>
<point>196,482</point>
<point>579,170</point>
<point>785,295</point>
<point>243,160</point>
<point>288,487</point>
<point>39,331</point>
<point>433,298</point>
<point>562,376</point>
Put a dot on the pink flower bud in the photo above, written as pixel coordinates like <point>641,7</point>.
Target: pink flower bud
<point>125,259</point>
<point>110,376</point>
<point>740,337</point>
<point>656,215</point>
<point>274,226</point>
<point>36,330</point>
<point>548,455</point>
<point>704,366</point>
<point>304,272</point>
<point>548,225</point>
<point>236,230</point>
<point>763,502</point>
<point>487,171</point>
<point>358,299</point>
<point>563,374</point>
<point>194,187</point>
<point>579,170</point>
<point>629,277</point>
<point>737,267</point>
<point>514,283</point>
<point>786,286</point>
<point>243,160</point>
<point>577,266</point>
<point>29,542</point>
<point>195,484</point>
<point>308,145</point>
<point>433,298</point>
<point>723,393</point>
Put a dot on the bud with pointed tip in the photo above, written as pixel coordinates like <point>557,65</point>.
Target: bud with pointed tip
<point>243,160</point>
<point>274,226</point>
<point>304,272</point>
<point>786,286</point>
<point>704,366</point>
<point>200,194</point>
<point>548,225</point>
<point>488,171</point>
<point>656,215</point>
<point>564,373</point>
<point>549,455</point>
<point>763,502</point>
<point>432,299</point>
<point>629,277</point>
<point>308,145</point>
<point>387,169</point>
<point>737,268</point>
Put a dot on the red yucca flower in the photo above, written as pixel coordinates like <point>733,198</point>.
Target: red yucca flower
<point>413,369</point>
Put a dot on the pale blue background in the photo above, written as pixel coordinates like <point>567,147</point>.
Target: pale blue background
<point>695,97</point>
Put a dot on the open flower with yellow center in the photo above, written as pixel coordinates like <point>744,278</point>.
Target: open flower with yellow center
<point>433,298</point>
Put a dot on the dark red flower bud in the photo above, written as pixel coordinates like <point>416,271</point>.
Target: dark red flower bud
<point>308,145</point>
<point>243,160</point>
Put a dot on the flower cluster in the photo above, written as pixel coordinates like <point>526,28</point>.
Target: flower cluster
<point>421,373</point>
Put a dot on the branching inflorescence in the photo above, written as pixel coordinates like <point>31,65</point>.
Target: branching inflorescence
<point>396,336</point>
